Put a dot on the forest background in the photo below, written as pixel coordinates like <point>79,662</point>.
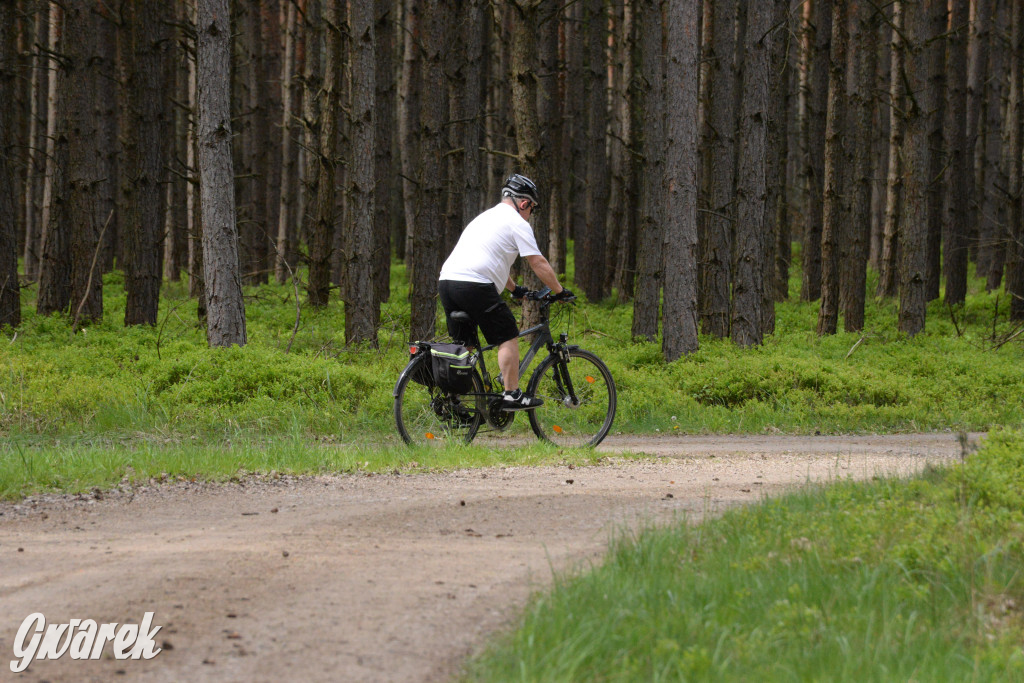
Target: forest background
<point>717,171</point>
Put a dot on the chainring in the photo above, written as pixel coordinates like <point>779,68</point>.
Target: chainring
<point>498,418</point>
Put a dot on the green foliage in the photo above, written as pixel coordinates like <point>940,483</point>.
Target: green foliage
<point>110,379</point>
<point>890,580</point>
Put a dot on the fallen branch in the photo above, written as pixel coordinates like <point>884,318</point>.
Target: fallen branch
<point>92,269</point>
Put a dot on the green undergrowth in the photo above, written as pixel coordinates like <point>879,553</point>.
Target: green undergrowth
<point>76,464</point>
<point>890,580</point>
<point>108,379</point>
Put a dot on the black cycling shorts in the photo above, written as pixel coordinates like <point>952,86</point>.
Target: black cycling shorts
<point>483,304</point>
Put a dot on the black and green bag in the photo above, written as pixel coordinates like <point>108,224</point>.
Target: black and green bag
<point>453,367</point>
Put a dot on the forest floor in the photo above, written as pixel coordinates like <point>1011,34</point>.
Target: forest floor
<point>373,577</point>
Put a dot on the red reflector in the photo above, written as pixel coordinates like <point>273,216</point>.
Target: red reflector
<point>413,350</point>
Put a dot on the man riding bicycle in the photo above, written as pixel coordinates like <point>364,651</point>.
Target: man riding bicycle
<point>478,269</point>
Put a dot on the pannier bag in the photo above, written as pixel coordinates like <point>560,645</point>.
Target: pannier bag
<point>453,367</point>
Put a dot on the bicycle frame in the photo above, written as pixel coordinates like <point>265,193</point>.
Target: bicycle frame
<point>544,339</point>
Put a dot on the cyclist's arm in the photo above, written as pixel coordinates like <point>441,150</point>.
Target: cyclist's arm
<point>545,272</point>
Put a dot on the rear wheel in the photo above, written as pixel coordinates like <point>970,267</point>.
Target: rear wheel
<point>427,416</point>
<point>579,400</point>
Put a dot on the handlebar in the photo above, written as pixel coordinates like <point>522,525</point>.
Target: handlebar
<point>545,296</point>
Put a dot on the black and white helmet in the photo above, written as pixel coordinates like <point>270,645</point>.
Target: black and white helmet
<point>520,186</point>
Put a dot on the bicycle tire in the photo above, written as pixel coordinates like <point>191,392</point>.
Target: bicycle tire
<point>560,420</point>
<point>426,416</point>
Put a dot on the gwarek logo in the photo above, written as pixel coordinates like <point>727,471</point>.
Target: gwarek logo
<point>82,639</point>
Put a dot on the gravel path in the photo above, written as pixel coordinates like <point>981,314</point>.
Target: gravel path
<point>372,578</point>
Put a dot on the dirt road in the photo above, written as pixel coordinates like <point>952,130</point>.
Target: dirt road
<point>371,578</point>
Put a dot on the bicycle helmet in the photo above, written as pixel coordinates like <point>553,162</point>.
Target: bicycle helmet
<point>520,186</point>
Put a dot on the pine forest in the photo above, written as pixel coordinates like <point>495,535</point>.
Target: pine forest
<point>689,153</point>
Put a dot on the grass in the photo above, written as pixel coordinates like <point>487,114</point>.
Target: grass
<point>107,384</point>
<point>890,580</point>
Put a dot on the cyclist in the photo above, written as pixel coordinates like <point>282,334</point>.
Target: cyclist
<point>477,271</point>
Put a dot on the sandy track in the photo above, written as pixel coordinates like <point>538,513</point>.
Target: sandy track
<point>371,578</point>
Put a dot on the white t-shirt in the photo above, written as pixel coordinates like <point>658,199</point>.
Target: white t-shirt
<point>488,247</point>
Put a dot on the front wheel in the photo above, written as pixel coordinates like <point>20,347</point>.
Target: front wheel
<point>579,399</point>
<point>427,416</point>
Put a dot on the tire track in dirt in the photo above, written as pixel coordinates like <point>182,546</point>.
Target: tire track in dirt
<point>372,578</point>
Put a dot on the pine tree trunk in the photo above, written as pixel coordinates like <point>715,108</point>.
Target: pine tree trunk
<point>312,84</point>
<point>525,18</point>
<point>576,135</point>
<point>652,139</point>
<point>977,67</point>
<point>271,116</point>
<point>913,261</point>
<point>993,211</point>
<point>835,213</point>
<point>935,98</point>
<point>549,113</point>
<point>715,244</point>
<point>10,292</point>
<point>385,166</point>
<point>589,247</point>
<point>815,170</point>
<point>682,122</point>
<point>429,230</point>
<point>408,122</point>
<point>285,261</point>
<point>36,162</point>
<point>224,303</point>
<point>775,219</point>
<point>866,21</point>
<point>362,314</point>
<point>55,242</point>
<point>888,279</point>
<point>751,183</point>
<point>146,161</point>
<point>194,216</point>
<point>955,234</point>
<point>82,94</point>
<point>321,239</point>
<point>1015,226</point>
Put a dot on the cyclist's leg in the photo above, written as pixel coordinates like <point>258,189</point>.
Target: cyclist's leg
<point>508,363</point>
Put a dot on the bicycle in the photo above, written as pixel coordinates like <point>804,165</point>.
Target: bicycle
<point>577,388</point>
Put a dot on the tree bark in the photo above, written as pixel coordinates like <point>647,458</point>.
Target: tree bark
<point>589,247</point>
<point>55,241</point>
<point>312,84</point>
<point>680,327</point>
<point>285,261</point>
<point>815,168</point>
<point>36,160</point>
<point>652,140</point>
<point>10,292</point>
<point>913,226</point>
<point>751,183</point>
<point>866,21</point>
<point>835,213</point>
<point>409,122</point>
<point>224,303</point>
<point>146,159</point>
<point>429,230</point>
<point>938,136</point>
<point>993,198</point>
<point>955,234</point>
<point>978,54</point>
<point>385,166</point>
<point>362,312</point>
<point>321,239</point>
<point>888,279</point>
<point>716,239</point>
<point>1015,227</point>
